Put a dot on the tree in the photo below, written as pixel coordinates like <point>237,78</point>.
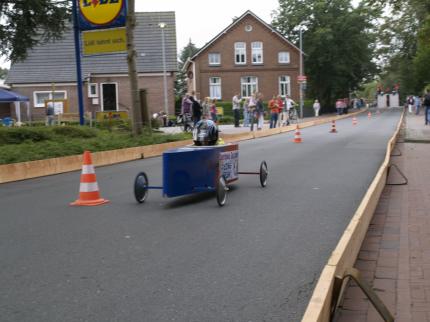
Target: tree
<point>181,84</point>
<point>28,23</point>
<point>422,58</point>
<point>338,42</point>
<point>3,73</point>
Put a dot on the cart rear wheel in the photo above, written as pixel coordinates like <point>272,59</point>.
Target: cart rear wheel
<point>264,172</point>
<point>141,187</point>
<point>221,191</point>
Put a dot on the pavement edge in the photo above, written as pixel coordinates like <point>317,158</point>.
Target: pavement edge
<point>346,251</point>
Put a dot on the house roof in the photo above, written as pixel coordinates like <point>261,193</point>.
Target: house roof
<point>9,96</point>
<point>234,23</point>
<point>54,62</point>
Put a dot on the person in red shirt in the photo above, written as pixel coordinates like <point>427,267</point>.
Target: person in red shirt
<point>274,111</point>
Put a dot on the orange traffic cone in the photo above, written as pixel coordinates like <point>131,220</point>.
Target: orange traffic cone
<point>297,138</point>
<point>369,115</point>
<point>88,190</point>
<point>354,121</point>
<point>333,127</point>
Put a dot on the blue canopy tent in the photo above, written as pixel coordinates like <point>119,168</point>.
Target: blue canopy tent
<point>7,96</point>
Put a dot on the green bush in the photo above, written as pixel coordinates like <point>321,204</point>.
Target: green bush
<point>20,135</point>
<point>74,131</point>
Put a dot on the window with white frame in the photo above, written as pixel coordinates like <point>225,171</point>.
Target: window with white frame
<point>284,57</point>
<point>240,53</point>
<point>215,87</point>
<point>257,52</point>
<point>93,90</point>
<point>214,59</point>
<point>248,85</point>
<point>40,97</point>
<point>284,85</point>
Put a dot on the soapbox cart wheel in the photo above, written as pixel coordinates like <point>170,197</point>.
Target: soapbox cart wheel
<point>141,187</point>
<point>221,191</point>
<point>264,172</point>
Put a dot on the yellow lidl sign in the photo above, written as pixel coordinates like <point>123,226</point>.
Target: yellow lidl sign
<point>101,12</point>
<point>104,41</point>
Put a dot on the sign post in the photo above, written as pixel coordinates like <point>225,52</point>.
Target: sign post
<point>91,15</point>
<point>78,63</point>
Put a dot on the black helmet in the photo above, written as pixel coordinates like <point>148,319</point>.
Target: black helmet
<point>205,133</point>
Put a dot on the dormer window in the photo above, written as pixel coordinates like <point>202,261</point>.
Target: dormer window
<point>214,59</point>
<point>257,52</point>
<point>240,53</point>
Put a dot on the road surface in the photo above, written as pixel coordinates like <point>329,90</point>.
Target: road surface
<point>186,259</point>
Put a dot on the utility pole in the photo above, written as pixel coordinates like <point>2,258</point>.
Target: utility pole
<point>76,33</point>
<point>301,74</point>
<point>162,26</point>
<point>136,118</point>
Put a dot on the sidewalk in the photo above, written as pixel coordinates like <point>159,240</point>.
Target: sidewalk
<point>395,255</point>
<point>230,129</point>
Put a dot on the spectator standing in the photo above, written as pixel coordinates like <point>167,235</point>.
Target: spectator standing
<point>50,114</point>
<point>339,106</point>
<point>246,112</point>
<point>213,111</point>
<point>186,110</point>
<point>417,104</point>
<point>426,104</point>
<point>281,109</point>
<point>236,109</point>
<point>274,111</point>
<point>206,108</point>
<point>260,111</point>
<point>289,103</point>
<point>197,110</point>
<point>411,103</point>
<point>317,107</point>
<point>252,109</point>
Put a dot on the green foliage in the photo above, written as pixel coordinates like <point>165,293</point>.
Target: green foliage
<point>3,73</point>
<point>26,144</point>
<point>28,23</point>
<point>74,131</point>
<point>180,83</point>
<point>422,59</point>
<point>338,42</point>
<point>25,134</point>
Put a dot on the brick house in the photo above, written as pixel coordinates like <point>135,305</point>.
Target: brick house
<point>49,71</point>
<point>249,55</point>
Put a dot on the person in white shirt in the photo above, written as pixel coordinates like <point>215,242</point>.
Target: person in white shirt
<point>236,109</point>
<point>289,103</point>
<point>317,107</point>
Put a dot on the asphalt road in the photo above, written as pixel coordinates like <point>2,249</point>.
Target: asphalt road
<point>186,259</point>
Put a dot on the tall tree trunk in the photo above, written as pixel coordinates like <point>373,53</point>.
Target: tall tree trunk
<point>136,118</point>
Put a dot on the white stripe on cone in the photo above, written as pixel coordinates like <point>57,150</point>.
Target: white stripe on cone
<point>88,187</point>
<point>87,169</point>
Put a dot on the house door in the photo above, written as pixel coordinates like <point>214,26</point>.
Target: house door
<point>109,97</point>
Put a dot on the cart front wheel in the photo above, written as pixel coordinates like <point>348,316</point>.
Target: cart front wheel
<point>221,191</point>
<point>141,187</point>
<point>263,173</point>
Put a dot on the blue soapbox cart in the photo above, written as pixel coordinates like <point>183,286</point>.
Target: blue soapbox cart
<point>195,169</point>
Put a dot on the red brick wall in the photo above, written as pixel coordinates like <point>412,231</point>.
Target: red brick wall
<point>230,73</point>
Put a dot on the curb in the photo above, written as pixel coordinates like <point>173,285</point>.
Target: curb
<point>39,168</point>
<point>346,251</point>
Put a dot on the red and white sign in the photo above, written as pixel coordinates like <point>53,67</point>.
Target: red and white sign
<point>302,78</point>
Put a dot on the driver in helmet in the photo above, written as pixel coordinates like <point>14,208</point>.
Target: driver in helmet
<point>205,133</point>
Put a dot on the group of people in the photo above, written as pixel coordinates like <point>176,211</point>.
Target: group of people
<point>414,103</point>
<point>252,107</point>
<point>254,110</point>
<point>192,108</point>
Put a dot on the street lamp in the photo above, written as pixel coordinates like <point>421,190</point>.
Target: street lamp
<point>162,26</point>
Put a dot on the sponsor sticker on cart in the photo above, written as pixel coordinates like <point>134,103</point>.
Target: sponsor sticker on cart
<point>229,165</point>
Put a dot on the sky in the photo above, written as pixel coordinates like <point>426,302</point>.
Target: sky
<point>201,20</point>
